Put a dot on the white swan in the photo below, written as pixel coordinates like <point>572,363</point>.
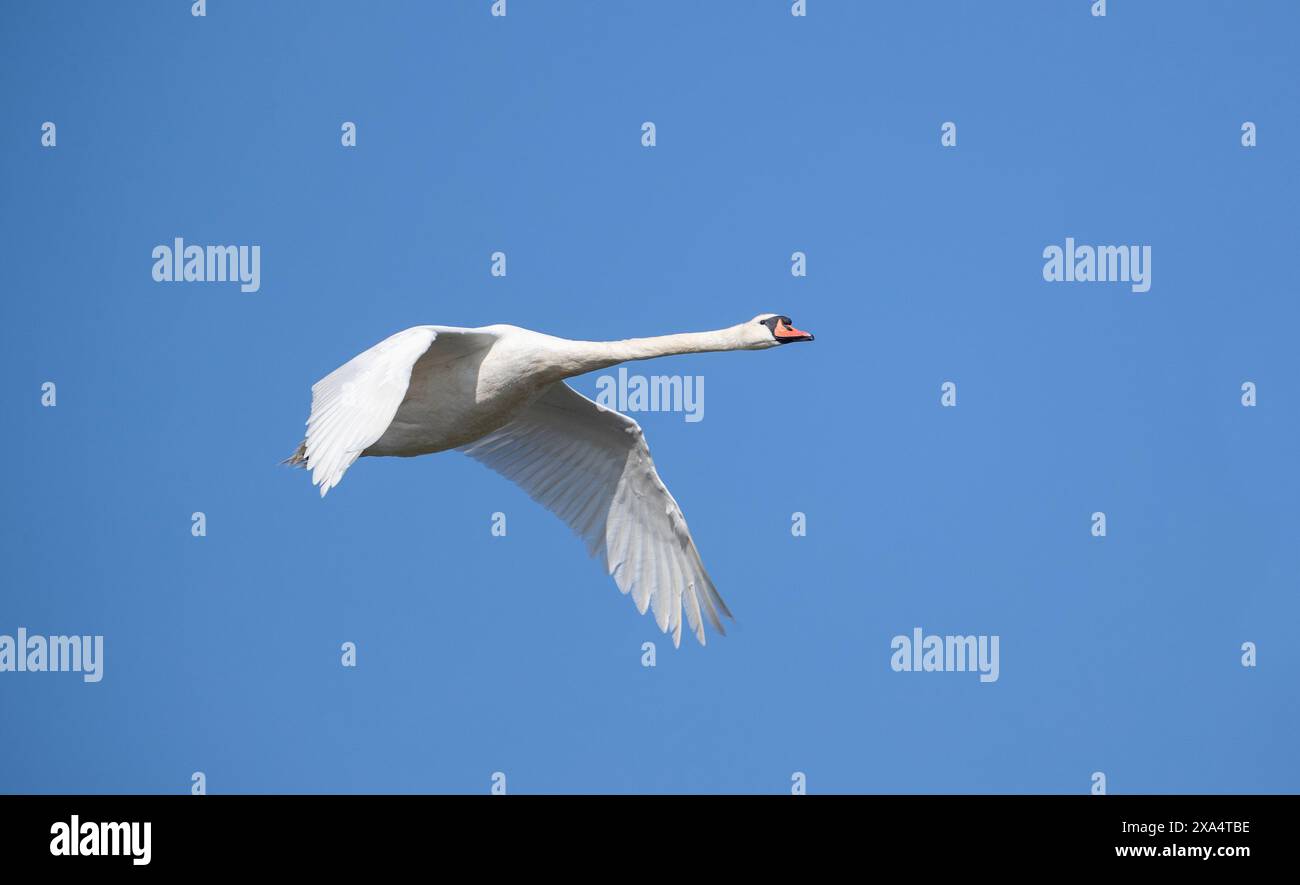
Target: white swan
<point>497,393</point>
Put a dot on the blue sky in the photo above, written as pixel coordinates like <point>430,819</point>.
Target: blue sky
<point>479,654</point>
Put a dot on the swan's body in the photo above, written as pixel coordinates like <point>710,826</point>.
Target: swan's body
<point>497,393</point>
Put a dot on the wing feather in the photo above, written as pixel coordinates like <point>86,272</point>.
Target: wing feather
<point>352,406</point>
<point>591,467</point>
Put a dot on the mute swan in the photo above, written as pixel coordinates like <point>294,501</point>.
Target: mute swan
<point>497,393</point>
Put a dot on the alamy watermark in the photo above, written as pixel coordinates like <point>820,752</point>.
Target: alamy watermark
<point>657,393</point>
<point>1098,264</point>
<point>78,838</point>
<point>919,653</point>
<point>53,654</point>
<point>179,263</point>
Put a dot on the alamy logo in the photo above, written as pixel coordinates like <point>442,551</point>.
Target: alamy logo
<point>52,654</point>
<point>208,264</point>
<point>1100,264</point>
<point>919,653</point>
<point>91,839</point>
<point>658,393</point>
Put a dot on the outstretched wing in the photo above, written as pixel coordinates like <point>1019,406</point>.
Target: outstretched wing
<point>352,406</point>
<point>591,467</point>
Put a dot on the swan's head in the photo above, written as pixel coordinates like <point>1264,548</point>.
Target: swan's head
<point>771,329</point>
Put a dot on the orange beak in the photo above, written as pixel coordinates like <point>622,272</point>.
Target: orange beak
<point>790,333</point>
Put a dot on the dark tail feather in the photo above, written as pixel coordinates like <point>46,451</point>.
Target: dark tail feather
<point>299,456</point>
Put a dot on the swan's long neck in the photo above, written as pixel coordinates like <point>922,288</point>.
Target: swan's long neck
<point>589,356</point>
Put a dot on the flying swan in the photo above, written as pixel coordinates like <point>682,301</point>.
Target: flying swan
<point>497,393</point>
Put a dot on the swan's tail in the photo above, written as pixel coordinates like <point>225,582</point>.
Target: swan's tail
<point>299,456</point>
